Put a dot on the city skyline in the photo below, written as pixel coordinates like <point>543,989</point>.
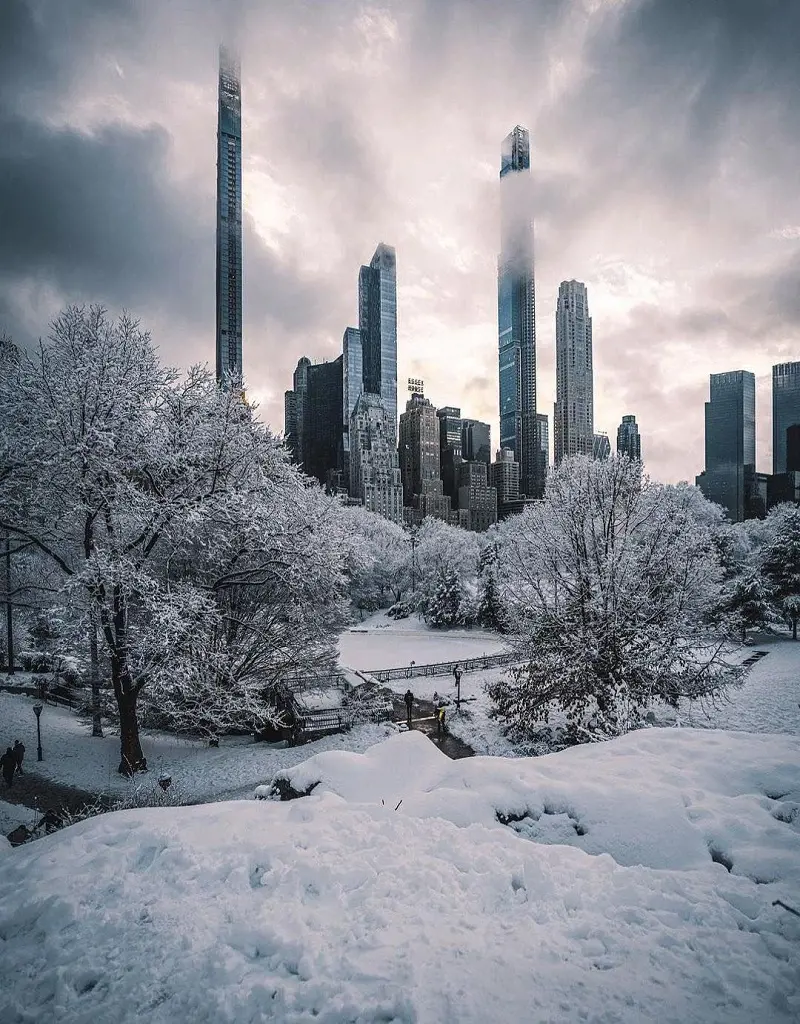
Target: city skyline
<point>685,228</point>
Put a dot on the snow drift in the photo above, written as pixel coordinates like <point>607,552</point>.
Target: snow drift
<point>337,908</point>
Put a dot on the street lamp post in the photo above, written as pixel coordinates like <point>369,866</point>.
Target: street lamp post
<point>37,710</point>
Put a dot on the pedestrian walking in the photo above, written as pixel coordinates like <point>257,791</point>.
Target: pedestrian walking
<point>19,753</point>
<point>440,729</point>
<point>409,699</point>
<point>8,763</point>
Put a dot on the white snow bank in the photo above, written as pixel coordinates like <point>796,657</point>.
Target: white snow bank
<point>12,815</point>
<point>678,799</point>
<point>323,910</point>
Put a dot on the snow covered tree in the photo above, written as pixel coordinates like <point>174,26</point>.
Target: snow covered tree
<point>441,546</point>
<point>491,610</point>
<point>119,472</point>
<point>445,603</point>
<point>610,583</point>
<point>780,559</point>
<point>377,558</point>
<point>745,597</point>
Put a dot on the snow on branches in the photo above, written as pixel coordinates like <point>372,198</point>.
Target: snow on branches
<point>174,521</point>
<point>610,585</point>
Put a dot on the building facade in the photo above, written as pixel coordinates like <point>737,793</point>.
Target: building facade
<point>785,411</point>
<point>322,420</point>
<point>476,496</point>
<point>504,477</point>
<point>730,442</point>
<point>449,448</point>
<point>542,447</point>
<point>229,220</point>
<point>601,448</point>
<point>476,441</point>
<point>574,407</point>
<point>352,386</point>
<point>374,466</point>
<point>377,322</point>
<point>516,310</point>
<point>418,448</point>
<point>628,440</point>
<point>294,405</point>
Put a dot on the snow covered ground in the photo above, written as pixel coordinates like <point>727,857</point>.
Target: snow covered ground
<point>768,701</point>
<point>12,815</point>
<point>198,772</point>
<point>381,642</point>
<point>602,903</point>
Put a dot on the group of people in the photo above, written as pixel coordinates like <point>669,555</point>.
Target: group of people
<point>11,762</point>
<point>438,704</point>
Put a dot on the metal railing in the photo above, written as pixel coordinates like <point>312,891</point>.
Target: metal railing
<point>444,668</point>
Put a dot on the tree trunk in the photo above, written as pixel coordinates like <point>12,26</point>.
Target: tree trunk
<point>9,609</point>
<point>131,757</point>
<point>794,627</point>
<point>97,721</point>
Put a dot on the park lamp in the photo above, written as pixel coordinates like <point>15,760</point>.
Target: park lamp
<point>37,710</point>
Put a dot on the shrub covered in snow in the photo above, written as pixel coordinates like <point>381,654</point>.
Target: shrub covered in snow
<point>612,584</point>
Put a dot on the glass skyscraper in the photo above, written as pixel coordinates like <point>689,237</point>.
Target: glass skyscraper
<point>628,440</point>
<point>785,410</point>
<point>229,219</point>
<point>729,477</point>
<point>377,321</point>
<point>352,386</point>
<point>516,304</point>
<point>573,419</point>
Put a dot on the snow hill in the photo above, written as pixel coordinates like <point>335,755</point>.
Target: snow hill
<point>600,900</point>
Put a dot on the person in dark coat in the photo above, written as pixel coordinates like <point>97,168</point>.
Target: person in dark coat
<point>19,753</point>
<point>8,763</point>
<point>409,699</point>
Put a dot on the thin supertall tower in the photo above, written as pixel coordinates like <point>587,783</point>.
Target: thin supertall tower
<point>229,219</point>
<point>516,312</point>
<point>573,417</point>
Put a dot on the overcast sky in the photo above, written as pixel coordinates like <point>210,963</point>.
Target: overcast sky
<point>665,147</point>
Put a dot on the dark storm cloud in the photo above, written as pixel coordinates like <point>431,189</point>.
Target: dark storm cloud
<point>665,144</point>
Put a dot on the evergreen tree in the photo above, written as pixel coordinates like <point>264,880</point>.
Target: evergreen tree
<point>444,605</point>
<point>781,560</point>
<point>491,611</point>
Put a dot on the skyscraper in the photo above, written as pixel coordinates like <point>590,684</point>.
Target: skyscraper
<point>377,321</point>
<point>729,477</point>
<point>229,219</point>
<point>419,449</point>
<point>322,420</point>
<point>352,386</point>
<point>374,467</point>
<point>628,440</point>
<point>504,477</point>
<point>476,441</point>
<point>449,448</point>
<point>542,446</point>
<point>294,405</point>
<point>785,410</point>
<point>574,407</point>
<point>601,448</point>
<point>516,303</point>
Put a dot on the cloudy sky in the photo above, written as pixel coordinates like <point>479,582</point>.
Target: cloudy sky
<point>665,154</point>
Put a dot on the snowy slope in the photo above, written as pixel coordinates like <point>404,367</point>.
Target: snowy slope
<point>74,758</point>
<point>340,910</point>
